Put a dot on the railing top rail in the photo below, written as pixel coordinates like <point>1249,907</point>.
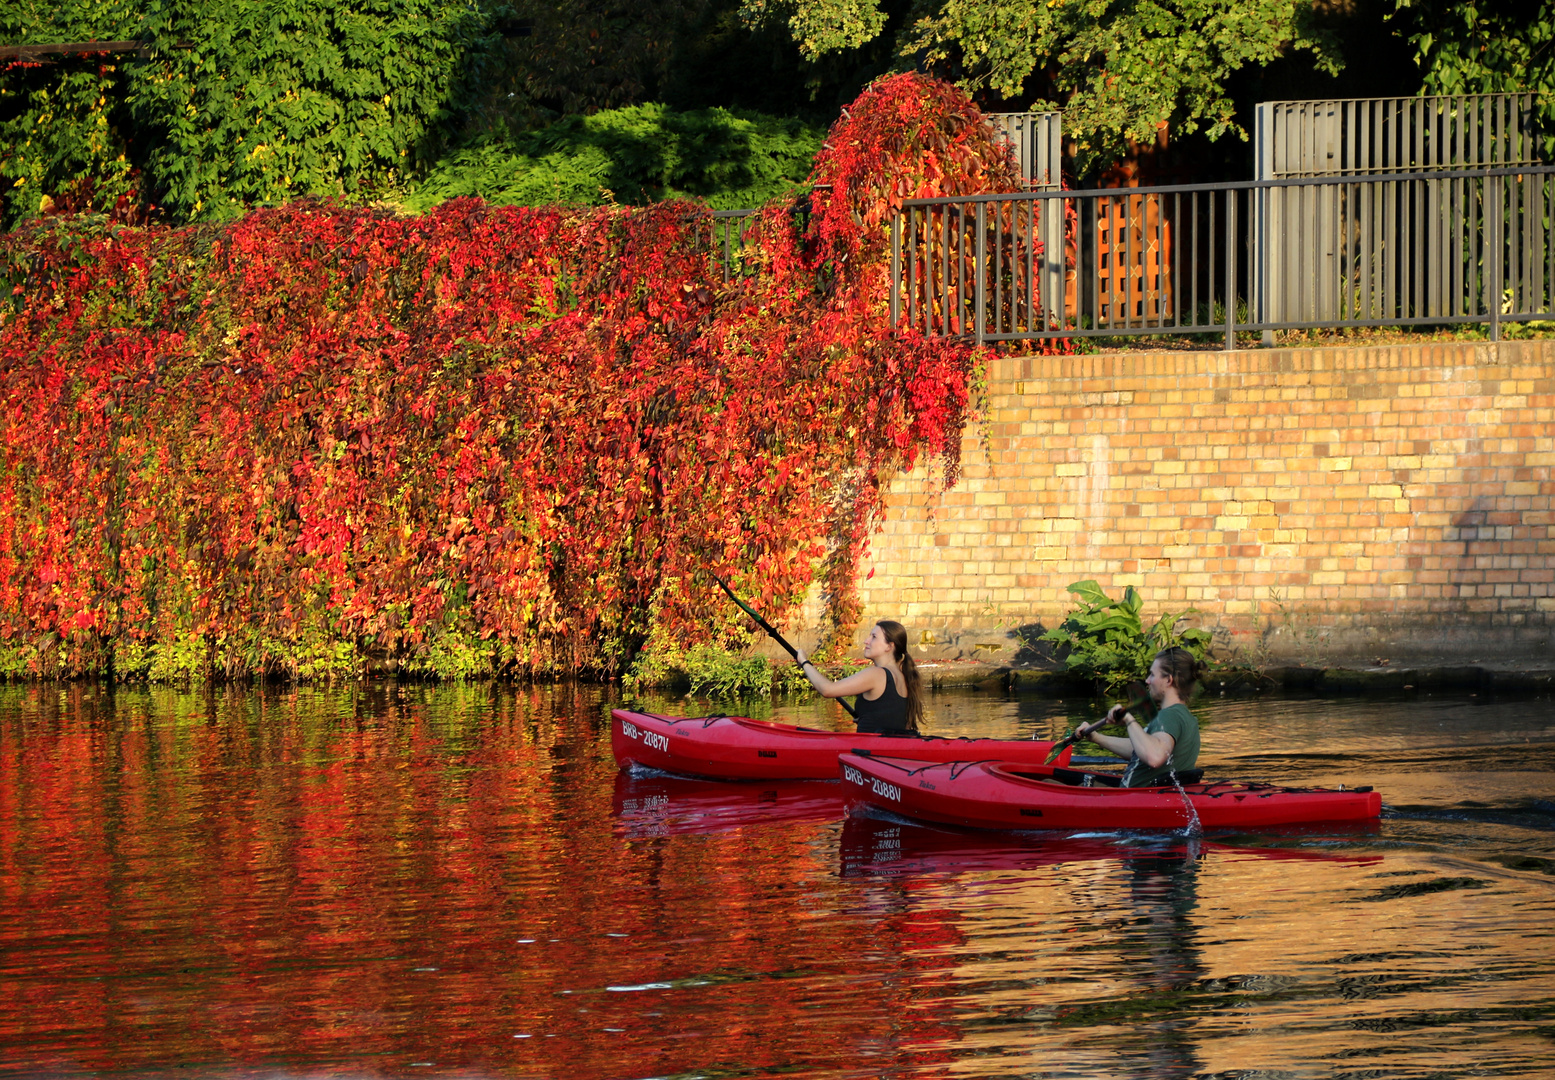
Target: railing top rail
<point>1240,185</point>
<point>1407,97</point>
<point>735,213</point>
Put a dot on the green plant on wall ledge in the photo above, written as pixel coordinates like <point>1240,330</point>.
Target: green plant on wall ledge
<point>706,671</point>
<point>1105,640</point>
<point>714,672</point>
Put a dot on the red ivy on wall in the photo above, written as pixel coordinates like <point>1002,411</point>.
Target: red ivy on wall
<point>542,427</point>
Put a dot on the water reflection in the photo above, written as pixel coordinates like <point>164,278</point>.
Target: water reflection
<point>457,880</point>
<point>647,803</point>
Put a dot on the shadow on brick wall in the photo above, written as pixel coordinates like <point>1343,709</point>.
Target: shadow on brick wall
<point>1030,649</point>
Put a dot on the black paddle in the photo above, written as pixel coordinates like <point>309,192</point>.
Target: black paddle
<point>1141,699</point>
<point>769,628</point>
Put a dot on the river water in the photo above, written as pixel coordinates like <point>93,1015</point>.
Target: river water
<point>413,880</point>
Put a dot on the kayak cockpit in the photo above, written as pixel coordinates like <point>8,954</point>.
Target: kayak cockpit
<point>1082,778</point>
<point>773,727</point>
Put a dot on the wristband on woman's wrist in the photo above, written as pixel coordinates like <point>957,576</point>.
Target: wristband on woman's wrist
<point>802,663</point>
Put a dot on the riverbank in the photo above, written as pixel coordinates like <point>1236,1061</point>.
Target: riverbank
<point>1053,681</point>
<point>1327,681</point>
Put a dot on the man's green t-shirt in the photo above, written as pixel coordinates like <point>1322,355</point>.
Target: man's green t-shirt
<point>1183,727</point>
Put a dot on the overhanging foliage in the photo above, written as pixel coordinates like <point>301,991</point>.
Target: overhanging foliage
<point>484,439</point>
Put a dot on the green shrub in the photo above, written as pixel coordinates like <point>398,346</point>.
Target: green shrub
<point>709,671</point>
<point>1105,640</point>
<point>636,155</point>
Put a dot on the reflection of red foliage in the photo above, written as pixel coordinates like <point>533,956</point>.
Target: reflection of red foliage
<point>534,425</point>
<point>256,880</point>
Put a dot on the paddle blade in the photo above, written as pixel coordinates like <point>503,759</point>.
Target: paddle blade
<point>1139,700</point>
<point>1060,746</point>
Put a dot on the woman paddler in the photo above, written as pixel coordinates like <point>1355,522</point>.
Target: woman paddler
<point>1170,742</point>
<point>888,701</point>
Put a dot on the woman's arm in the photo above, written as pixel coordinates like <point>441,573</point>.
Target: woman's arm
<point>865,681</point>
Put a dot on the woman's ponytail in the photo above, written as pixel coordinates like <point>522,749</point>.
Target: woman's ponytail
<point>896,634</point>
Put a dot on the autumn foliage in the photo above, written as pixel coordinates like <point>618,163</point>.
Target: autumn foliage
<point>484,439</point>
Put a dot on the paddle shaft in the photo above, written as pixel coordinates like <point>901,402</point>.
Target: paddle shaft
<point>770,629</point>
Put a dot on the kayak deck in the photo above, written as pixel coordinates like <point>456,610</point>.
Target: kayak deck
<point>740,748</point>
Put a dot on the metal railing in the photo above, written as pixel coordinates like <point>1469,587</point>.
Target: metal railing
<point>1352,136</point>
<point>730,228</point>
<point>1037,141</point>
<point>1406,249</point>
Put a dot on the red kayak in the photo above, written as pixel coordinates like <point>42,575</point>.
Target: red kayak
<point>738,748</point>
<point>1006,795</point>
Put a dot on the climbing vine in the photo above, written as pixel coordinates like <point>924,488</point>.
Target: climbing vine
<point>485,439</point>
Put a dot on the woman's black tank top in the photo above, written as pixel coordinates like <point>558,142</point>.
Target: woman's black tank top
<point>887,713</point>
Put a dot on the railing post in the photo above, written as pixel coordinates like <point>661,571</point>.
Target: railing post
<point>980,268</point>
<point>1230,269</point>
<point>896,270</point>
<point>1493,252</point>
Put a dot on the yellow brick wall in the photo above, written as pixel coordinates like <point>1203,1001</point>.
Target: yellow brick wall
<point>1349,501</point>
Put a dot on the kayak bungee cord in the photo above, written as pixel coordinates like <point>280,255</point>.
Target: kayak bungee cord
<point>956,767</point>
<point>893,763</point>
<point>769,628</point>
<point>955,772</point>
<point>705,721</point>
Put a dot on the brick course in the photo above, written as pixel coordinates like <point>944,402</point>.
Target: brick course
<point>1341,500</point>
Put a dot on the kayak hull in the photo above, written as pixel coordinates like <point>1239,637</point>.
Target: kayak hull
<point>739,748</point>
<point>1005,795</point>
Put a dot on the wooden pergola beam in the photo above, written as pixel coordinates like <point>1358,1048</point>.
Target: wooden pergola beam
<point>73,48</point>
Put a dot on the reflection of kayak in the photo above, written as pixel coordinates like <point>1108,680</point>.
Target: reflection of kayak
<point>1002,795</point>
<point>659,805</point>
<point>737,748</point>
<point>872,844</point>
<point>889,845</point>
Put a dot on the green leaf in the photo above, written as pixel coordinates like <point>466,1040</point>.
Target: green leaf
<point>1091,593</point>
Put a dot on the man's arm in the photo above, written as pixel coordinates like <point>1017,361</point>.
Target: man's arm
<point>1152,748</point>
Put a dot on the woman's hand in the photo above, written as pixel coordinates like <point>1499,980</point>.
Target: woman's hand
<point>800,658</point>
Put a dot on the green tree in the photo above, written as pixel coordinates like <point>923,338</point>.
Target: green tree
<point>239,103</point>
<point>63,119</point>
<point>253,102</point>
<point>1485,47</point>
<point>564,57</point>
<point>637,155</point>
<point>1120,69</point>
<point>236,102</point>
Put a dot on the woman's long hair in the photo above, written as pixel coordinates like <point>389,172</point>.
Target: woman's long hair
<point>896,634</point>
